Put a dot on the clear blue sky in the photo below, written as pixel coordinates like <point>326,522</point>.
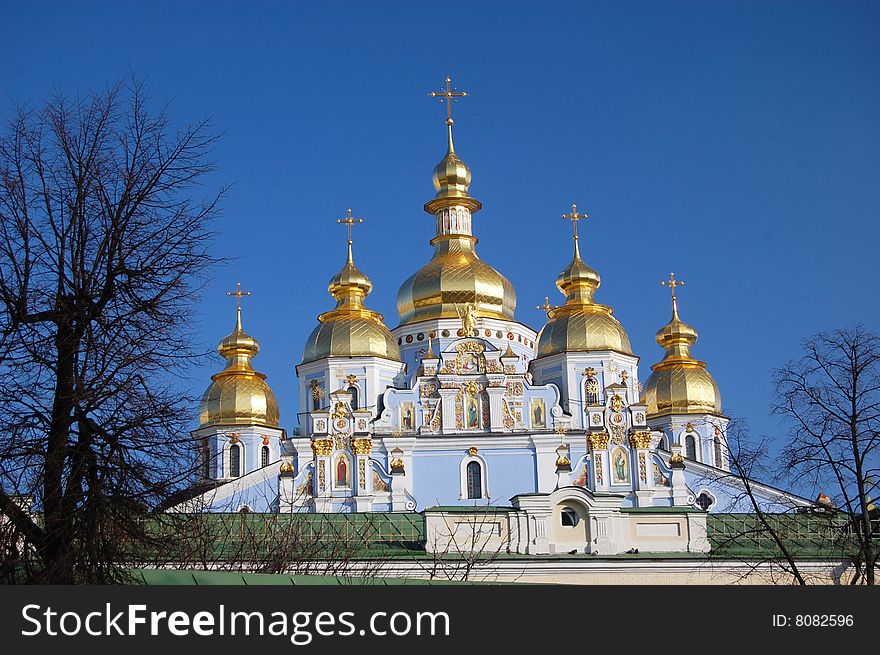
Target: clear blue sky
<point>735,143</point>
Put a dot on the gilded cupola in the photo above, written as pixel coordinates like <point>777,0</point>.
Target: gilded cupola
<point>350,329</point>
<point>238,395</point>
<point>679,383</point>
<point>581,324</point>
<point>455,275</point>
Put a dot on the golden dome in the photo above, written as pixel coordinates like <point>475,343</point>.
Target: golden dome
<point>581,324</point>
<point>350,329</point>
<point>455,275</point>
<point>238,395</point>
<point>679,383</point>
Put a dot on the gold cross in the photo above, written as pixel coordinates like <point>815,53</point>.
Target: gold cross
<point>574,217</point>
<point>238,294</point>
<point>546,306</point>
<point>672,283</point>
<point>348,221</point>
<point>449,95</point>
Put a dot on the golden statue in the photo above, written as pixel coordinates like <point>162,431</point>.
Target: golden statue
<point>468,316</point>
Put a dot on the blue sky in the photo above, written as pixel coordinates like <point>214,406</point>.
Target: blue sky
<point>735,143</point>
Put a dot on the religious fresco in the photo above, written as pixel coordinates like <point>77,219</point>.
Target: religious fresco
<point>619,467</point>
<point>538,412</point>
<point>407,417</point>
<point>342,473</point>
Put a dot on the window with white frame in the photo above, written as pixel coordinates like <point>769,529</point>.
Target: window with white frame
<point>474,474</point>
<point>234,460</point>
<point>690,447</point>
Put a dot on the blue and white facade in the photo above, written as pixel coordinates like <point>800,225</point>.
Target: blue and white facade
<point>466,411</point>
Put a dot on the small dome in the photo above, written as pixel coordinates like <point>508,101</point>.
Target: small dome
<point>581,331</point>
<point>581,324</point>
<point>351,336</point>
<point>679,383</point>
<point>238,394</point>
<point>681,390</point>
<point>451,177</point>
<point>350,329</point>
<point>239,401</point>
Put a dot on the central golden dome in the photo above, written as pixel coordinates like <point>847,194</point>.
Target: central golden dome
<point>679,383</point>
<point>581,324</point>
<point>238,394</point>
<point>455,275</point>
<point>350,329</point>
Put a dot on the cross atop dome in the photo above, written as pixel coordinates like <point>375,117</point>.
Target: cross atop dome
<point>574,217</point>
<point>449,95</point>
<point>672,283</point>
<point>349,221</point>
<point>238,294</point>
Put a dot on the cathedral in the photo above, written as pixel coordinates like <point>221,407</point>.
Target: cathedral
<point>461,408</point>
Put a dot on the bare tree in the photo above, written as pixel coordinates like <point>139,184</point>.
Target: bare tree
<point>104,236</point>
<point>831,399</point>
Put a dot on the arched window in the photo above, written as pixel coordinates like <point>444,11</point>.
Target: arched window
<point>661,445</point>
<point>264,456</point>
<point>354,396</point>
<point>474,480</point>
<point>690,447</point>
<point>719,457</point>
<point>568,517</point>
<point>234,460</point>
<point>592,391</point>
<point>206,459</point>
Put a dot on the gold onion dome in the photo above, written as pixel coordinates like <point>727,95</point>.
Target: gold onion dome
<point>350,329</point>
<point>679,383</point>
<point>238,395</point>
<point>581,324</point>
<point>455,275</point>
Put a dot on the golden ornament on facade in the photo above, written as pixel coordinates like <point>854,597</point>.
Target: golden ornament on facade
<point>397,465</point>
<point>562,461</point>
<point>322,447</point>
<point>339,410</point>
<point>617,403</point>
<point>640,440</point>
<point>598,440</point>
<point>676,458</point>
<point>286,468</point>
<point>362,446</point>
<point>473,450</point>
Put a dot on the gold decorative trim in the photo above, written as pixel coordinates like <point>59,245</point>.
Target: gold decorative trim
<point>362,446</point>
<point>473,450</point>
<point>322,447</point>
<point>640,440</point>
<point>598,440</point>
